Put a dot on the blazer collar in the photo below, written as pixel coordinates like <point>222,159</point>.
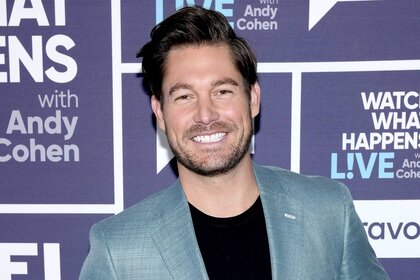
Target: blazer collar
<point>284,221</point>
<point>174,236</point>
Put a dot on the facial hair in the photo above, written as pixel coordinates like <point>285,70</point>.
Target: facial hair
<point>212,164</point>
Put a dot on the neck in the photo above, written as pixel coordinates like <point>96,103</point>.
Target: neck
<point>225,195</point>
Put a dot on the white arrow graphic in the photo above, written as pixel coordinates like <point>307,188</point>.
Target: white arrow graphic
<point>319,8</point>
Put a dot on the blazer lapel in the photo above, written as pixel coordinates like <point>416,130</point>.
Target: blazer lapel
<point>284,221</point>
<point>175,238</point>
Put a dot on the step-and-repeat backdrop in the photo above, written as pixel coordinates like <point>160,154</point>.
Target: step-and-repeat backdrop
<point>340,98</point>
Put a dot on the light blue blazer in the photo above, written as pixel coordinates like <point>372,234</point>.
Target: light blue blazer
<point>313,232</point>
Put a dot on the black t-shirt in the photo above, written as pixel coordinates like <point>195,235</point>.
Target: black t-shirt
<point>235,247</point>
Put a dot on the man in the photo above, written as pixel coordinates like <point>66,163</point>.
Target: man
<point>226,217</point>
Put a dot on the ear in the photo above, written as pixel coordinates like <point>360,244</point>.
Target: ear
<point>157,110</point>
<point>255,99</point>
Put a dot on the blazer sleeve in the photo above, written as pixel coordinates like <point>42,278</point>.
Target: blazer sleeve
<point>359,259</point>
<point>98,264</point>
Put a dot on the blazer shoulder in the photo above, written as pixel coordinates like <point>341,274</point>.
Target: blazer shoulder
<point>142,215</point>
<point>301,187</point>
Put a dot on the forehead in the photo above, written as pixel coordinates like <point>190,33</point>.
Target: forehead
<point>205,47</point>
<point>199,62</point>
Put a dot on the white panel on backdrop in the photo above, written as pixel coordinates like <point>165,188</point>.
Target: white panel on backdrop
<point>393,226</point>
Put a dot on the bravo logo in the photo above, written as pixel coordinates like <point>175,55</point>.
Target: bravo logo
<point>8,268</point>
<point>393,226</point>
<point>382,230</point>
<point>394,239</point>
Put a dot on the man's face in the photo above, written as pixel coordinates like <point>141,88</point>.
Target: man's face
<point>206,113</point>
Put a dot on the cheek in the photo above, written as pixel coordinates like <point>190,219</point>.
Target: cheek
<point>175,124</point>
<point>239,112</point>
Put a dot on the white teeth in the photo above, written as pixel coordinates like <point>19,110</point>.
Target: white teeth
<point>209,138</point>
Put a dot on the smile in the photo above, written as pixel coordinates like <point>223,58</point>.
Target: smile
<point>209,138</point>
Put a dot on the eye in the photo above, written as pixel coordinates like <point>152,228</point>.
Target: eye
<point>182,98</point>
<point>224,92</point>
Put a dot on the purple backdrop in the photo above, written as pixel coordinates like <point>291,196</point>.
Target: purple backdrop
<point>78,140</point>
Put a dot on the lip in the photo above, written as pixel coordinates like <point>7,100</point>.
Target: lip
<point>209,138</point>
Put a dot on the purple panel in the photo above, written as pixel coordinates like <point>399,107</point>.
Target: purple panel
<point>140,178</point>
<point>332,104</point>
<point>272,139</point>
<point>137,21</point>
<point>279,30</point>
<point>351,30</point>
<point>402,269</point>
<point>82,89</point>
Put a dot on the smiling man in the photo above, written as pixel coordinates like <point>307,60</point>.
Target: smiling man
<point>226,217</point>
<point>208,111</point>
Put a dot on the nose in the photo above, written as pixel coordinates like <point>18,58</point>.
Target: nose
<point>205,111</point>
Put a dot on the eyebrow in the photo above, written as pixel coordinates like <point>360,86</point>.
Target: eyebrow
<point>179,86</point>
<point>221,82</point>
<point>225,81</point>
